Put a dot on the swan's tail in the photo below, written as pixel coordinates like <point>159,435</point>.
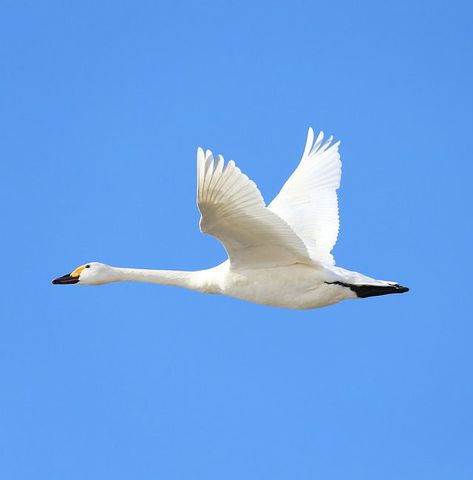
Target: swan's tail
<point>364,291</point>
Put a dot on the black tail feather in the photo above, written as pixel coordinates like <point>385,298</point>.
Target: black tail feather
<point>364,291</point>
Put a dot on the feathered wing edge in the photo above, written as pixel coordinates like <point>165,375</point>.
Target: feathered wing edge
<point>233,210</point>
<point>308,200</point>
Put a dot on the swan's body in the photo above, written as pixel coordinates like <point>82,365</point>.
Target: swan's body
<point>279,254</point>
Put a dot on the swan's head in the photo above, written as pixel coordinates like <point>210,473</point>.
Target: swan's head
<point>93,273</point>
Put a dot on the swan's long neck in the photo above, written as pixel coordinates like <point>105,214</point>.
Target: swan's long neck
<point>201,280</point>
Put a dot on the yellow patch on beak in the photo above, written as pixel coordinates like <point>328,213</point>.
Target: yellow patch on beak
<point>77,271</point>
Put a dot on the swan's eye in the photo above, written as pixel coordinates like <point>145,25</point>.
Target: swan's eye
<point>87,266</point>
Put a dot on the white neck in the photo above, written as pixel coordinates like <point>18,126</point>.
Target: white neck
<point>201,280</point>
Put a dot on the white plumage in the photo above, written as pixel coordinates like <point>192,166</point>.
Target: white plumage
<point>233,210</point>
<point>308,200</point>
<point>278,254</point>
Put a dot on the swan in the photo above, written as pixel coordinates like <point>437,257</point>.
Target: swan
<point>279,254</point>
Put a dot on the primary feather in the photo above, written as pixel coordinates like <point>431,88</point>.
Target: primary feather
<point>308,200</point>
<point>233,210</point>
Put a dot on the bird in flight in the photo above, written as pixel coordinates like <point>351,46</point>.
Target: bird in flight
<point>278,254</point>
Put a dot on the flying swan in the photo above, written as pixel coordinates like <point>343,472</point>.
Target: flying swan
<point>278,254</point>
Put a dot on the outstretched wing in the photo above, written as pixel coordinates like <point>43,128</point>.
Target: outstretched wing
<point>308,200</point>
<point>234,211</point>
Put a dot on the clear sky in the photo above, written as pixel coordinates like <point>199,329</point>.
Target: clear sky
<point>102,107</point>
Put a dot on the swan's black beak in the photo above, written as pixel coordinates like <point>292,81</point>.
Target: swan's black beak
<point>65,280</point>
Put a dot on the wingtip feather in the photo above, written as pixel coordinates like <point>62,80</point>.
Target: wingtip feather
<point>309,142</point>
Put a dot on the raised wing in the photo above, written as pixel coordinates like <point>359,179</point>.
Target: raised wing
<point>234,211</point>
<point>308,200</point>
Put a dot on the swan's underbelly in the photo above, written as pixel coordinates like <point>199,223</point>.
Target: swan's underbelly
<point>297,286</point>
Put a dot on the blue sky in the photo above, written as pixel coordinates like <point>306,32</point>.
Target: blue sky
<point>102,107</point>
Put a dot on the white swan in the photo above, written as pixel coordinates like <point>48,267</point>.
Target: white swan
<point>277,254</point>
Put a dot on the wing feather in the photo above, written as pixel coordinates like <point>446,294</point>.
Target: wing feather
<point>233,210</point>
<point>308,200</point>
